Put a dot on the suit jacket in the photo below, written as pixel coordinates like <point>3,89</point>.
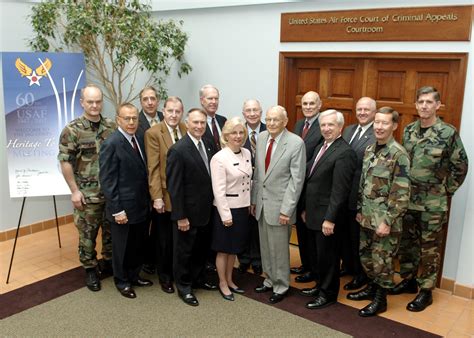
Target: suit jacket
<point>189,183</point>
<point>359,147</point>
<point>263,127</point>
<point>157,143</point>
<point>231,176</point>
<point>123,178</point>
<point>327,188</point>
<point>313,137</point>
<point>208,134</point>
<point>143,124</point>
<point>278,190</point>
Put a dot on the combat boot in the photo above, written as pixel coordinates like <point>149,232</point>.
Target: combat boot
<point>405,286</point>
<point>421,301</point>
<point>366,293</point>
<point>92,279</point>
<point>378,305</point>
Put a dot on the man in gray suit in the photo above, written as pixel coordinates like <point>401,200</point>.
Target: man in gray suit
<point>359,136</point>
<point>278,181</point>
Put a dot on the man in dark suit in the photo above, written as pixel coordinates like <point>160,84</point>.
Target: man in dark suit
<point>149,116</point>
<point>209,98</point>
<point>158,139</point>
<point>124,181</point>
<point>189,185</point>
<point>308,129</point>
<point>328,182</point>
<point>359,136</point>
<point>252,111</point>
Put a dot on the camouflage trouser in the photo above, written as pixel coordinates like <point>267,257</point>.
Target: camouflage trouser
<point>420,247</point>
<point>376,256</point>
<point>88,222</point>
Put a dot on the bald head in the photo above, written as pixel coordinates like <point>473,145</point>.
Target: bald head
<point>366,108</point>
<point>310,104</point>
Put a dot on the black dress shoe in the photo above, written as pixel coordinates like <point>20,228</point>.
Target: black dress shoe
<point>243,267</point>
<point>149,269</point>
<point>128,292</point>
<point>305,278</point>
<point>189,299</point>
<point>92,279</point>
<point>257,269</point>
<point>366,293</point>
<point>405,286</point>
<point>320,302</point>
<point>276,297</point>
<point>421,301</point>
<point>227,297</point>
<point>142,282</point>
<point>262,288</point>
<point>378,305</point>
<point>298,270</point>
<point>207,286</point>
<point>237,290</point>
<point>310,292</point>
<point>356,283</point>
<point>167,287</point>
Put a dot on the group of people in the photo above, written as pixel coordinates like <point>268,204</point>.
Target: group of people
<point>172,196</point>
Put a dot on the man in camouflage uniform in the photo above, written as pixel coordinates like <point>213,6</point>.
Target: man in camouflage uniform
<point>78,154</point>
<point>384,194</point>
<point>439,166</point>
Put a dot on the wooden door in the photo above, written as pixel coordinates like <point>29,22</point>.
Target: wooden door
<point>390,78</point>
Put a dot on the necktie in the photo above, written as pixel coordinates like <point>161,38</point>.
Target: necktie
<point>135,145</point>
<point>175,134</point>
<point>305,130</point>
<point>356,136</point>
<point>153,122</point>
<point>215,133</point>
<point>203,155</point>
<point>253,142</point>
<point>269,154</point>
<point>320,154</point>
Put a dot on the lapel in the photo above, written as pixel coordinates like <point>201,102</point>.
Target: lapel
<point>363,141</point>
<point>326,155</point>
<point>165,134</point>
<point>194,152</point>
<point>242,161</point>
<point>131,152</point>
<point>280,150</point>
<point>299,127</point>
<point>313,129</point>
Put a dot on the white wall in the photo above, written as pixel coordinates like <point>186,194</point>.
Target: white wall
<point>237,50</point>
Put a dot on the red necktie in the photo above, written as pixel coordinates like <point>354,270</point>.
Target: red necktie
<point>269,154</point>
<point>320,154</point>
<point>215,133</point>
<point>305,130</point>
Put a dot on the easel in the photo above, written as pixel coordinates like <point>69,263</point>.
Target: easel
<point>18,230</point>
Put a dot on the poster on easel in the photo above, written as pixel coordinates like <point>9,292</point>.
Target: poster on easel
<point>41,95</point>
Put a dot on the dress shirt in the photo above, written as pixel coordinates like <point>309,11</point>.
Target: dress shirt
<point>171,131</point>
<point>209,124</point>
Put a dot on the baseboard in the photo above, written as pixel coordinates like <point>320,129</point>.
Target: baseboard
<point>463,291</point>
<point>35,227</point>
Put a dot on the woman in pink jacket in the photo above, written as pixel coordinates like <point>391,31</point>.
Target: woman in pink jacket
<point>231,173</point>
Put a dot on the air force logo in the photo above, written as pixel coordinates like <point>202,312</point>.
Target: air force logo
<point>33,75</point>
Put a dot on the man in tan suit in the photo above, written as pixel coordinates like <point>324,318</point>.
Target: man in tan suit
<point>158,139</point>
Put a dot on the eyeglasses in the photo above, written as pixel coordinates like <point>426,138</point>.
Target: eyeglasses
<point>129,118</point>
<point>252,110</point>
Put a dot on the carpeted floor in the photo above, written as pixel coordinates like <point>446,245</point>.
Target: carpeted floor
<point>61,306</point>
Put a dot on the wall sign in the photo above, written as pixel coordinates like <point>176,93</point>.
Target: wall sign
<point>394,24</point>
